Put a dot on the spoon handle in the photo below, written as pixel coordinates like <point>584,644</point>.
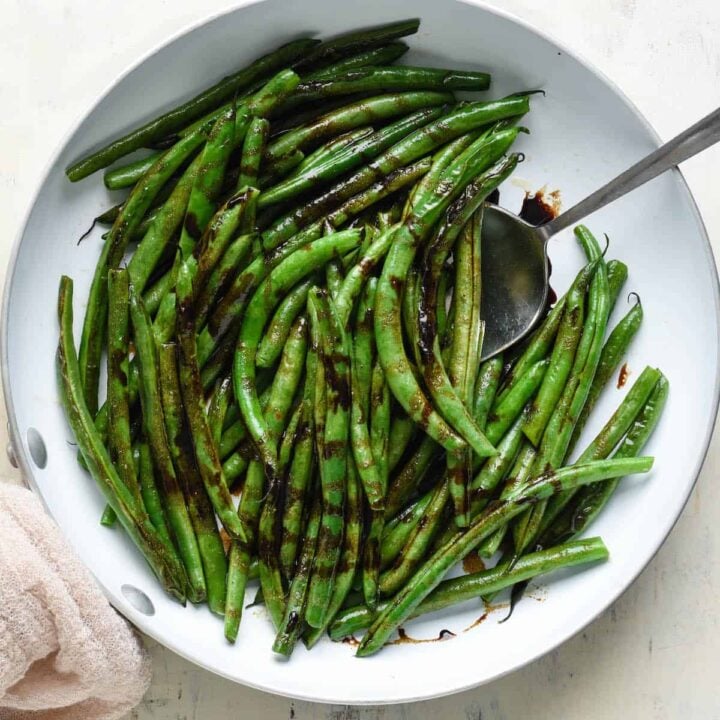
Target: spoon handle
<point>701,135</point>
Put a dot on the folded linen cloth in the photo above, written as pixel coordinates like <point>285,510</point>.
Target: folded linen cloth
<point>65,654</point>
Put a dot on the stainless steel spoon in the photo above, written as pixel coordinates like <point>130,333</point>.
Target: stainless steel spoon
<point>515,276</point>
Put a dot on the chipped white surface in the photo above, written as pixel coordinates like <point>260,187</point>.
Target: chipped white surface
<point>655,653</point>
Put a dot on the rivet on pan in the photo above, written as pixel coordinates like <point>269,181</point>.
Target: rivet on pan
<point>138,599</point>
<point>11,455</point>
<point>36,446</point>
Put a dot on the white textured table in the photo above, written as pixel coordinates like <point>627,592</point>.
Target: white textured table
<point>655,653</point>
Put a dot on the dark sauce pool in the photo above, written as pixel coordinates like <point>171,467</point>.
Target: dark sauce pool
<point>537,209</point>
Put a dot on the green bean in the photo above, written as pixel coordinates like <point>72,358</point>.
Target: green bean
<point>145,191</point>
<point>519,475</point>
<point>390,216</point>
<point>154,295</point>
<point>129,218</point>
<point>108,518</point>
<point>398,531</point>
<point>119,438</point>
<point>259,101</point>
<point>282,393</point>
<point>402,431</point>
<point>379,441</point>
<point>611,433</point>
<point>495,468</point>
<point>317,392</point>
<point>249,511</point>
<point>621,419</point>
<point>333,275</point>
<point>465,357</point>
<point>371,558</point>
<point>449,402</point>
<point>279,328</point>
<point>349,117</point>
<point>578,386</point>
<point>201,513</point>
<point>213,244</point>
<point>290,433</point>
<point>319,156</point>
<point>457,590</point>
<point>298,480</point>
<point>252,153</point>
<point>410,295</point>
<point>538,349</point>
<point>217,410</point>
<point>427,208</point>
<point>238,571</point>
<point>441,159</point>
<point>547,414</point>
<point>413,553</point>
<point>206,454</point>
<point>179,117</point>
<point>139,233</point>
<point>162,333</point>
<point>465,351</point>
<point>345,159</point>
<point>539,346</point>
<point>161,232</point>
<point>151,495</point>
<point>233,304</point>
<point>376,192</point>
<point>380,423</point>
<point>289,272</point>
<point>164,323</point>
<point>92,339</point>
<point>279,169</point>
<point>236,253</point>
<point>590,501</point>
<point>388,79</point>
<point>128,175</point>
<point>228,131</point>
<point>334,357</point>
<point>361,378</point>
<point>409,477</point>
<point>230,310</point>
<point>233,467</point>
<point>109,216</point>
<point>503,414</point>
<point>231,438</point>
<point>235,435</point>
<point>293,617</point>
<point>357,41</point>
<point>383,55</point>
<point>486,386</point>
<point>154,426</point>
<point>561,359</point>
<point>208,181</point>
<point>617,275</point>
<point>431,573</point>
<point>163,560</point>
<point>614,349</point>
<point>359,273</point>
<point>350,554</point>
<point>416,145</point>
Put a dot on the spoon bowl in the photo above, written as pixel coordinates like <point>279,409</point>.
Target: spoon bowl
<point>515,275</point>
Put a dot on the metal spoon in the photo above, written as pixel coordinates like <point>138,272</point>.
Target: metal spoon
<point>515,272</point>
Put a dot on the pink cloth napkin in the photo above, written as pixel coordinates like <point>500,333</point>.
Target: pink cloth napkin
<point>65,654</point>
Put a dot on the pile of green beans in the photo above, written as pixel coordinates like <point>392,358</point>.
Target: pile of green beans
<point>274,303</point>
